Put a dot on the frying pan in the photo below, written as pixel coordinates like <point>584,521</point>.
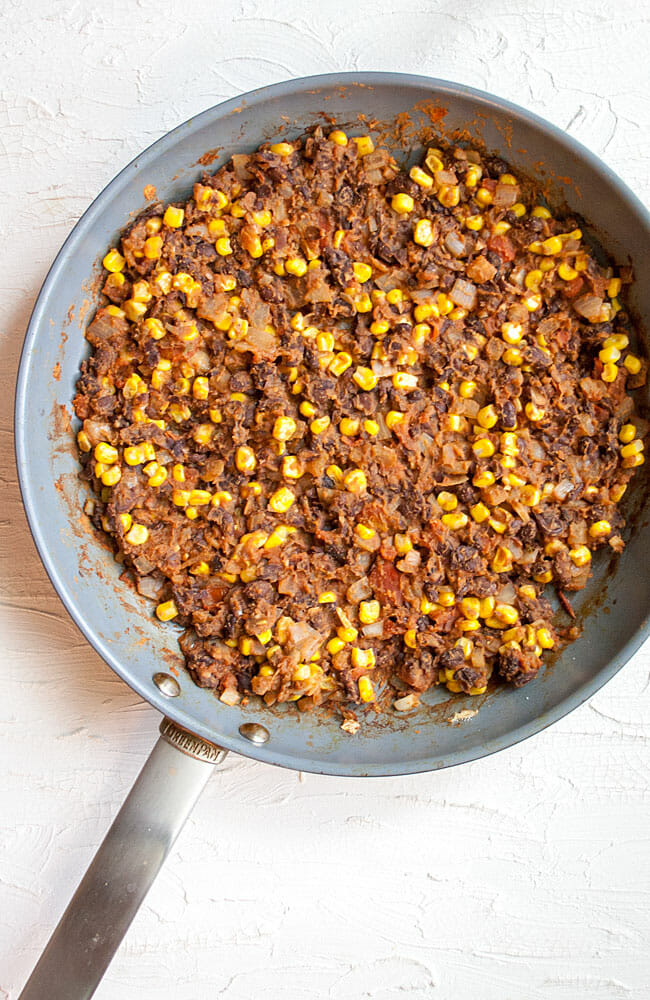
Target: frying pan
<point>197,729</point>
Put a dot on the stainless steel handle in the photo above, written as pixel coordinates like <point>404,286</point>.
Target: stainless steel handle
<point>126,864</point>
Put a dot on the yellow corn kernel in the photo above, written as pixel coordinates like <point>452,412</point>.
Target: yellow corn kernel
<point>448,501</point>
<point>410,639</point>
<point>115,311</point>
<point>284,428</point>
<point>338,137</point>
<point>609,373</point>
<point>174,217</point>
<point>467,389</point>
<point>502,561</point>
<point>627,433</point>
<point>633,448</point>
<point>364,658</point>
<point>483,196</point>
<point>245,459</point>
<point>534,413</point>
<point>474,222</point>
<point>220,499</point>
<point>364,144</point>
<point>223,246</point>
<point>508,443</point>
<point>473,175</point>
<point>109,475</point>
<point>134,310</point>
<point>362,272</point>
<point>449,195</point>
<point>507,614</point>
<point>423,233</point>
<point>580,555</point>
<point>327,597</point>
<point>393,418</point>
<point>199,498</point>
<point>366,690</point>
<point>617,492</point>
<point>365,378</point>
<point>319,425</point>
<point>369,612</point>
<point>552,245</point>
<point>421,178</point>
<point>544,638</point>
<point>364,531</point>
<point>609,353</point>
<point>483,448</point>
<point>479,512</point>
<point>335,645</point>
<point>546,265</point>
<point>402,203</point>
<point>446,598</point>
<point>349,427</point>
<point>106,453</point>
<point>404,381</point>
<point>355,481</point>
<point>471,607</point>
<point>166,611</point>
<point>340,363</point>
<point>282,148</point>
<point>114,261</point>
<point>307,409</point>
<point>530,495</point>
<point>533,302</point>
<point>632,363</point>
<point>486,607</point>
<point>371,427</point>
<point>512,356</point>
<point>296,266</point>
<point>363,304</point>
<point>281,500</point>
<point>566,272</point>
<point>455,521</point>
<point>600,529</point>
<point>347,633</point>
<point>83,441</point>
<point>402,543</point>
<point>533,279</point>
<point>324,341</point>
<point>487,416</point>
<point>202,433</point>
<point>468,625</point>
<point>137,535</point>
<point>215,416</point>
<point>540,212</point>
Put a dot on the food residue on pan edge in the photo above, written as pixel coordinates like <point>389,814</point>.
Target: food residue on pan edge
<point>423,383</point>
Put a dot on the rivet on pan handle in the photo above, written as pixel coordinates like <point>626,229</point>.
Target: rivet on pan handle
<point>124,867</point>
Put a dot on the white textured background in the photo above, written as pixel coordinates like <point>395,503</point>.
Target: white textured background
<point>522,877</point>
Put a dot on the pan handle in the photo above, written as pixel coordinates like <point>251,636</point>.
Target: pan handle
<point>125,866</point>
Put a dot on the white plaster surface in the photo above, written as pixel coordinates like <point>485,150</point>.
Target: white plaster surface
<point>522,877</point>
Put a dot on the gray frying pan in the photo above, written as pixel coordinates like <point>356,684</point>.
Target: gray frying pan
<point>198,729</point>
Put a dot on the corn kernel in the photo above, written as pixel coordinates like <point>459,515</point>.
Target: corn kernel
<point>410,639</point>
<point>245,459</point>
<point>600,529</point>
<point>633,461</point>
<point>628,450</point>
<point>355,481</point>
<point>609,353</point>
<point>106,453</point>
<point>474,222</point>
<point>534,412</point>
<point>402,543</point>
<point>473,175</point>
<point>402,203</point>
<point>284,428</point>
<point>223,246</point>
<point>282,148</point>
<point>512,356</point>
<point>362,272</point>
<point>455,521</point>
<point>449,195</point>
<point>349,427</point>
<point>609,372</point>
<point>364,144</point>
<point>338,137</point>
<point>393,418</point>
<point>137,535</point>
<point>347,633</point>
<point>335,645</point>
<point>281,500</point>
<point>404,381</point>
<point>483,448</point>
<point>540,212</point>
<point>580,555</point>
<point>296,266</point>
<point>479,512</point>
<point>319,425</point>
<point>502,561</point>
<point>552,245</point>
<point>533,302</point>
<point>448,501</point>
<point>174,217</point>
<point>471,607</point>
<point>291,468</point>
<point>364,531</point>
<point>166,611</point>
<point>340,363</point>
<point>506,613</point>
<point>627,433</point>
<point>423,233</point>
<point>307,409</point>
<point>369,612</point>
<point>484,197</point>
<point>327,597</point>
<point>632,363</point>
<point>421,178</point>
<point>366,690</point>
<point>365,378</point>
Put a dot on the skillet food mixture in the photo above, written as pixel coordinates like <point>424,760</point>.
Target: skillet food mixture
<point>345,423</point>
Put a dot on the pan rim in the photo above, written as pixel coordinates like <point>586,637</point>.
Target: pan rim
<point>150,694</point>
